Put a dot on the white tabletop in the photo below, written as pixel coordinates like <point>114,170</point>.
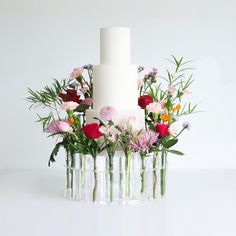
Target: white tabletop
<point>199,203</point>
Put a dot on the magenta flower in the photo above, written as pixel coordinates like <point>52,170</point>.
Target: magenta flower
<point>107,113</point>
<point>144,141</point>
<point>58,126</point>
<point>69,105</point>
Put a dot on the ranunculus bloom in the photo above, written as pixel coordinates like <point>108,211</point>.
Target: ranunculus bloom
<point>92,131</point>
<point>144,100</point>
<point>84,90</point>
<point>76,72</point>
<point>107,113</point>
<point>162,129</point>
<point>69,105</point>
<point>70,95</point>
<point>87,101</point>
<point>58,126</point>
<point>155,107</point>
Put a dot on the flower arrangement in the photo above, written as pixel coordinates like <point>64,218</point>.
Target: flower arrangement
<point>162,98</point>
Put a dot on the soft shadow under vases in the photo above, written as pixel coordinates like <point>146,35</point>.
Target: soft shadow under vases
<point>119,179</point>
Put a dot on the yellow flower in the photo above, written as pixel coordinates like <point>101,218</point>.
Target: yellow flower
<point>176,108</point>
<point>165,117</point>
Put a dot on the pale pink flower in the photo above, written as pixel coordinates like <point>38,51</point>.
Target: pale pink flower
<point>104,129</point>
<point>186,92</point>
<point>107,113</point>
<point>172,130</point>
<point>87,101</point>
<point>172,90</point>
<point>144,141</point>
<point>130,123</point>
<point>58,126</point>
<point>163,104</point>
<point>112,138</point>
<point>155,107</point>
<point>84,90</point>
<point>140,83</point>
<point>76,72</point>
<point>69,105</point>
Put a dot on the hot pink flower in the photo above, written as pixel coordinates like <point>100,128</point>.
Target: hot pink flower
<point>107,113</point>
<point>69,105</point>
<point>58,126</point>
<point>84,90</point>
<point>155,107</point>
<point>76,72</point>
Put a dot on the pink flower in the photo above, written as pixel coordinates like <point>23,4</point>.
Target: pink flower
<point>172,130</point>
<point>87,101</point>
<point>107,113</point>
<point>144,141</point>
<point>163,103</point>
<point>186,92</point>
<point>140,83</point>
<point>69,105</point>
<point>112,138</point>
<point>155,107</point>
<point>130,123</point>
<point>104,129</point>
<point>172,90</point>
<point>84,90</point>
<point>58,126</point>
<point>76,72</point>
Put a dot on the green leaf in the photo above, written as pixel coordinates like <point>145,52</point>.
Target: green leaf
<point>55,152</point>
<point>170,143</point>
<point>176,152</point>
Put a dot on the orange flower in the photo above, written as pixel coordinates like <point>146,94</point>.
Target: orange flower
<point>71,121</point>
<point>165,117</point>
<point>176,108</point>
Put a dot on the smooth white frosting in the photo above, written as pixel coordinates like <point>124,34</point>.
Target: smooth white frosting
<point>115,80</point>
<point>115,45</point>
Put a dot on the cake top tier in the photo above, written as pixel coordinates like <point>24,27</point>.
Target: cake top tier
<point>115,45</point>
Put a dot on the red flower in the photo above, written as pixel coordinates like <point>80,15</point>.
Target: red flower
<point>144,100</point>
<point>71,95</point>
<point>162,129</point>
<point>92,131</point>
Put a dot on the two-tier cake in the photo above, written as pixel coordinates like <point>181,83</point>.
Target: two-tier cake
<point>115,79</point>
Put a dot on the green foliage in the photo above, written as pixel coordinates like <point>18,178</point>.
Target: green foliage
<point>176,152</point>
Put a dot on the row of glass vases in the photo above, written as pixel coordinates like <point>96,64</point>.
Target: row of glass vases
<point>117,180</point>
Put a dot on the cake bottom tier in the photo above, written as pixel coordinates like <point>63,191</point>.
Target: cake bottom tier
<point>121,118</point>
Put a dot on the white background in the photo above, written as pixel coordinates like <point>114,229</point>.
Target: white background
<point>48,38</point>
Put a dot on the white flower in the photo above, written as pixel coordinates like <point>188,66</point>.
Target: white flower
<point>186,125</point>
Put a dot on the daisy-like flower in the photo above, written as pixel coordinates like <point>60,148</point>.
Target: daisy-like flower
<point>144,141</point>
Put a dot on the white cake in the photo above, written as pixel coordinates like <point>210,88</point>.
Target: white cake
<point>115,80</point>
